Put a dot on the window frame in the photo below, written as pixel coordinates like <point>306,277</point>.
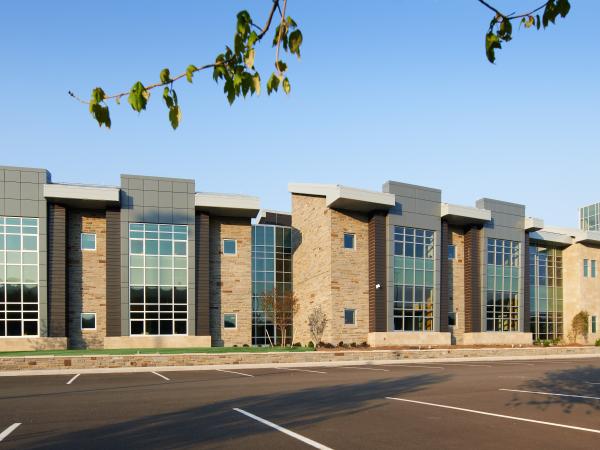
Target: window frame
<point>88,249</point>
<point>353,323</point>
<point>235,247</point>
<point>235,321</point>
<point>87,328</point>
<point>349,234</point>
<point>586,270</point>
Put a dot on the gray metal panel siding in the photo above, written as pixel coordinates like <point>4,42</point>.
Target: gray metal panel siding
<point>57,271</point>
<point>526,300</point>
<point>377,273</point>
<point>472,281</point>
<point>444,277</point>
<point>202,275</point>
<point>113,272</point>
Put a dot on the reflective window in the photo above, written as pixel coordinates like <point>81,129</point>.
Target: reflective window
<point>88,321</point>
<point>271,272</point>
<point>546,292</point>
<point>593,268</point>
<point>413,279</point>
<point>229,246</point>
<point>349,240</point>
<point>19,312</point>
<point>594,329</point>
<point>502,300</point>
<point>88,241</point>
<point>451,252</point>
<point>229,320</point>
<point>158,279</point>
<point>585,268</point>
<point>589,217</point>
<point>349,316</point>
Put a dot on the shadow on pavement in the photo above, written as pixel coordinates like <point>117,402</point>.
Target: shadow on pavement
<point>215,424</point>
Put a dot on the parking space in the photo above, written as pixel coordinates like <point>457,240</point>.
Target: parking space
<point>479,404</point>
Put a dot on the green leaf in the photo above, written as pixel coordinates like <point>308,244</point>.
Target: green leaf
<point>286,85</point>
<point>281,66</point>
<point>189,72</point>
<point>246,83</point>
<point>538,23</point>
<point>238,43</point>
<point>167,97</point>
<point>138,97</point>
<point>295,41</point>
<point>256,83</point>
<point>252,39</point>
<point>492,42</point>
<point>229,89</point>
<point>101,114</point>
<point>249,59</point>
<point>175,116</point>
<point>505,31</point>
<point>165,76</point>
<point>563,7</point>
<point>98,95</point>
<point>272,84</point>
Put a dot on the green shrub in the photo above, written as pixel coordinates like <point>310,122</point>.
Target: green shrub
<point>597,344</point>
<point>311,344</point>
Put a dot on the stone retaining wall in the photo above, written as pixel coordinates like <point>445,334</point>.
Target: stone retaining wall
<point>198,359</point>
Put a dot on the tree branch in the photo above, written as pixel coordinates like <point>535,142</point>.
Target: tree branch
<point>281,25</point>
<point>512,16</point>
<point>198,69</point>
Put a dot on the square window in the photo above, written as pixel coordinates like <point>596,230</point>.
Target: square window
<point>451,252</point>
<point>229,247</point>
<point>349,239</point>
<point>88,321</point>
<point>349,316</point>
<point>229,320</point>
<point>88,241</point>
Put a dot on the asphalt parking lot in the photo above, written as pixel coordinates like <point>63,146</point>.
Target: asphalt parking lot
<point>508,404</point>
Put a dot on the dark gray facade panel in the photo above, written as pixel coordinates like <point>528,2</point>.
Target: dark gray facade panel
<point>57,271</point>
<point>276,218</point>
<point>472,280</point>
<point>526,288</point>
<point>444,278</point>
<point>377,273</point>
<point>113,272</point>
<point>202,275</point>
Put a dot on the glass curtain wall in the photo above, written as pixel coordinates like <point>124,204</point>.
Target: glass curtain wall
<point>546,292</point>
<point>414,263</point>
<point>502,303</point>
<point>271,273</point>
<point>589,217</point>
<point>19,268</point>
<point>158,279</point>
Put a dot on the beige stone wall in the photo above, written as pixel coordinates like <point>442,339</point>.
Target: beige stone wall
<point>311,262</point>
<point>157,342</point>
<point>350,276</point>
<point>456,277</point>
<point>230,280</point>
<point>86,278</point>
<point>581,293</point>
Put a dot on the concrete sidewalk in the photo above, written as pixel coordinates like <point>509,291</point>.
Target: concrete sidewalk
<point>509,355</point>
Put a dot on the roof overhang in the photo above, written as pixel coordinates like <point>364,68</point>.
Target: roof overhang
<point>82,196</point>
<point>230,205</point>
<point>344,197</point>
<point>550,237</point>
<point>464,215</point>
<point>533,224</point>
<point>578,236</point>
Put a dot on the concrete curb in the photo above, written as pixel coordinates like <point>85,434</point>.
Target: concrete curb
<point>16,373</point>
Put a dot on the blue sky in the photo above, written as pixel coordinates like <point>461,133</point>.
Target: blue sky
<point>395,90</point>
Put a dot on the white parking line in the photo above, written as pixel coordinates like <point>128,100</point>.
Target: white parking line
<point>470,365</point>
<point>414,366</point>
<point>522,419</point>
<point>363,368</point>
<point>301,438</point>
<point>162,376</point>
<point>9,430</point>
<point>237,373</point>
<point>512,364</point>
<point>299,370</point>
<point>73,379</point>
<point>550,393</point>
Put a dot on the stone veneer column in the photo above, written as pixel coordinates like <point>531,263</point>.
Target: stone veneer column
<point>472,281</point>
<point>113,272</point>
<point>57,271</point>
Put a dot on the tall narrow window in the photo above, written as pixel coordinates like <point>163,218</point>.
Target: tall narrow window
<point>594,324</point>
<point>413,279</point>
<point>593,268</point>
<point>546,292</point>
<point>451,252</point>
<point>585,268</point>
<point>349,241</point>
<point>502,296</point>
<point>19,255</point>
<point>158,279</point>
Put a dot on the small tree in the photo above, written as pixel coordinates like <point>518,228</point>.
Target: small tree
<point>281,306</point>
<point>317,320</point>
<point>579,325</point>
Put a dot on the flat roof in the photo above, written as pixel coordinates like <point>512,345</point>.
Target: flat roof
<point>579,236</point>
<point>227,204</point>
<point>82,195</point>
<point>344,197</point>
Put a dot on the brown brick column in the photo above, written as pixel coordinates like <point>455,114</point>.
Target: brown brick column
<point>202,275</point>
<point>472,281</point>
<point>444,271</point>
<point>377,273</point>
<point>525,300</point>
<point>57,271</point>
<point>113,272</point>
